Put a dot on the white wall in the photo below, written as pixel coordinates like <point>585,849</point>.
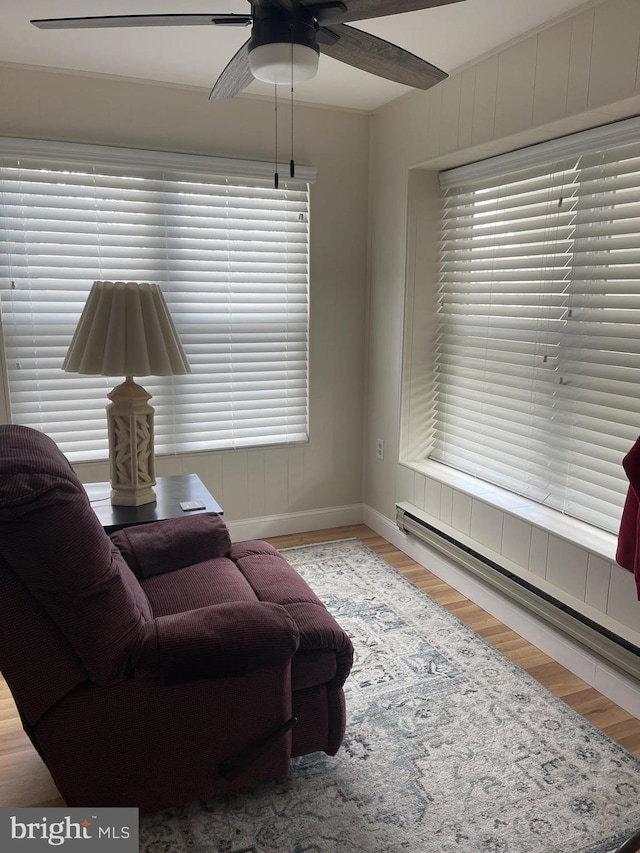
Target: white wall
<point>328,471</point>
<point>580,72</point>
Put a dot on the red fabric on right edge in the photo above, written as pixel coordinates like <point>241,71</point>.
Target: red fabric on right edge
<point>628,551</point>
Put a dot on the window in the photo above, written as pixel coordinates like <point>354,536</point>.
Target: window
<point>538,328</point>
<point>230,253</point>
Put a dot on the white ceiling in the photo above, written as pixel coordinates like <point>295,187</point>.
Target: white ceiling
<point>448,37</point>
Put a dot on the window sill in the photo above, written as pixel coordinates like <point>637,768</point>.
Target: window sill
<point>576,532</point>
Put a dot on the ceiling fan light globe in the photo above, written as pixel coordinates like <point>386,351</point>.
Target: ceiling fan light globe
<point>271,63</point>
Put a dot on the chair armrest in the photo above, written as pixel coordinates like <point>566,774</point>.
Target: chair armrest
<point>319,631</point>
<point>165,546</point>
<point>218,641</point>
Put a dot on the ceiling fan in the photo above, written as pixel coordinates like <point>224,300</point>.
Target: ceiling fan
<point>287,37</point>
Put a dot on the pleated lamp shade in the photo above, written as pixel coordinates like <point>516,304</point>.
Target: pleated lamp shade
<point>126,330</point>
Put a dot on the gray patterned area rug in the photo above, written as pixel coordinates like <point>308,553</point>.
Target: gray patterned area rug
<point>449,746</point>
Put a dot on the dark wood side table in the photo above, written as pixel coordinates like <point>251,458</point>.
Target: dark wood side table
<point>170,491</point>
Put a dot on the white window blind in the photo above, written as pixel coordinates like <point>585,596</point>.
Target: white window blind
<point>230,254</point>
<point>538,348</point>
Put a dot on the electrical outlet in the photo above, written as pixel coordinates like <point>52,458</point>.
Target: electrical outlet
<point>380,448</point>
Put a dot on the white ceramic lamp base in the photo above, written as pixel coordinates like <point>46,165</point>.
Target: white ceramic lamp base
<point>131,456</point>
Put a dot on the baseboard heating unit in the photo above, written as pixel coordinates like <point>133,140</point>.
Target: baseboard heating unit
<point>616,650</point>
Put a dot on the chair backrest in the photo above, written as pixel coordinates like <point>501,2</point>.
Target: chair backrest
<point>70,607</point>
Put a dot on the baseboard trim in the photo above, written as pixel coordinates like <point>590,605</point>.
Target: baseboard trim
<point>607,679</point>
<point>295,522</point>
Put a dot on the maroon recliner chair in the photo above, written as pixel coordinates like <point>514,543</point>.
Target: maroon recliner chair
<point>162,664</point>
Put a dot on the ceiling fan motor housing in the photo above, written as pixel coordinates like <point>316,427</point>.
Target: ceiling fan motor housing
<point>273,24</point>
<point>282,43</point>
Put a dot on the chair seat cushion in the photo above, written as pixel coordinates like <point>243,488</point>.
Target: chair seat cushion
<point>216,581</point>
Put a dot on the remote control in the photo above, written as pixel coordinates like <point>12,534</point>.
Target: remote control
<point>189,505</point>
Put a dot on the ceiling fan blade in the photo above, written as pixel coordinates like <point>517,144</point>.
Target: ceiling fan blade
<point>141,21</point>
<point>235,78</point>
<point>379,57</point>
<point>361,10</point>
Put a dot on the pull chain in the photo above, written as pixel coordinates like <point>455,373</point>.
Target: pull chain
<point>292,165</point>
<point>276,177</point>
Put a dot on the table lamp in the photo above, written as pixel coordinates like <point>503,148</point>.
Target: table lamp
<point>126,330</point>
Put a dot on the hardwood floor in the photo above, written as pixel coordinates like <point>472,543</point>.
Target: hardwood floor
<point>25,781</point>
